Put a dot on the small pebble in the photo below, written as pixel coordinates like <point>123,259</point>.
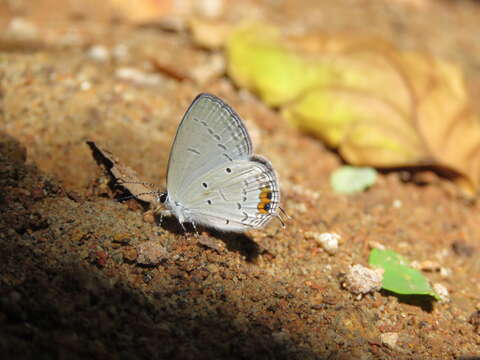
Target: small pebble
<point>138,77</point>
<point>85,85</point>
<point>445,272</point>
<point>150,253</point>
<point>362,280</point>
<point>209,8</point>
<point>22,29</point>
<point>441,291</point>
<point>328,241</point>
<point>397,204</point>
<point>147,277</point>
<point>372,244</point>
<point>98,53</point>
<point>389,339</point>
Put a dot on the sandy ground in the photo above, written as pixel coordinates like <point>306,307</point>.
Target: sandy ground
<point>83,275</point>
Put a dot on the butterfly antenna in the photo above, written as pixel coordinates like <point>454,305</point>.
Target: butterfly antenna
<point>147,193</point>
<point>284,213</point>
<point>282,217</point>
<point>121,182</point>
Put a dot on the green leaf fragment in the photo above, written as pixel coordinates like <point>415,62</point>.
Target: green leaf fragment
<point>350,179</point>
<point>398,276</point>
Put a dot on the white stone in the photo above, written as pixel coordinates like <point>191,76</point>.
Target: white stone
<point>390,339</point>
<point>328,241</point>
<point>442,291</point>
<point>85,85</point>
<point>22,29</point>
<point>397,204</point>
<point>209,8</point>
<point>137,76</point>
<point>362,280</point>
<point>98,53</point>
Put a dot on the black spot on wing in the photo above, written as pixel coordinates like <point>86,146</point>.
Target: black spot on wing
<point>195,151</point>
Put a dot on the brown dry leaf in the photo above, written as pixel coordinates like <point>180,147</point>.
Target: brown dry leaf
<point>124,175</point>
<point>379,106</point>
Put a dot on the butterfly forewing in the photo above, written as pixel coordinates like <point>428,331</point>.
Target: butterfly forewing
<point>210,134</point>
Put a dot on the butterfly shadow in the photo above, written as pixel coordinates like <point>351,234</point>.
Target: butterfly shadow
<point>237,242</point>
<point>240,243</point>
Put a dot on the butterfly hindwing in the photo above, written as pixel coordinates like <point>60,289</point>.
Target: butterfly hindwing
<point>236,196</point>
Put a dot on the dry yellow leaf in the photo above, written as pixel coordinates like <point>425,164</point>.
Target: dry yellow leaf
<point>379,106</point>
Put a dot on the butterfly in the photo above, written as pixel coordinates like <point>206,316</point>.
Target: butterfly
<point>213,177</point>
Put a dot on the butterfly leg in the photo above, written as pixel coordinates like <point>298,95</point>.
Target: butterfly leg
<point>195,229</point>
<point>184,229</point>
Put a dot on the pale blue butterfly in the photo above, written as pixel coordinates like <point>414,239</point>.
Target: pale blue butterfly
<point>213,178</point>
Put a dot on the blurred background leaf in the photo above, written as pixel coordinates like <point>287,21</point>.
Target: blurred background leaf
<point>350,179</point>
<point>380,107</point>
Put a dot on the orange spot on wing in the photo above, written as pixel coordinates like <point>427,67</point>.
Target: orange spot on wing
<point>265,197</point>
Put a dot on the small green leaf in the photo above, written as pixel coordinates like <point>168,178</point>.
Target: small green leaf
<point>350,179</point>
<point>398,276</point>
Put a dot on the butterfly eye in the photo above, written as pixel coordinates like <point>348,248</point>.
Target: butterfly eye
<point>228,170</point>
<point>204,185</point>
<point>162,197</point>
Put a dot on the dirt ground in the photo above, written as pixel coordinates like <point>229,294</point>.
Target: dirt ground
<point>83,275</point>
